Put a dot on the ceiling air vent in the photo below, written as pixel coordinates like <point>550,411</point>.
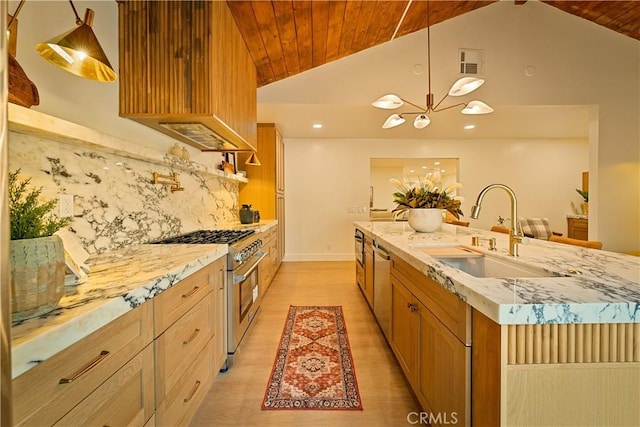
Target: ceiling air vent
<point>471,62</point>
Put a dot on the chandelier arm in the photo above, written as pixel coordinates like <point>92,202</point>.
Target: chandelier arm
<point>450,106</point>
<point>429,51</point>
<point>412,112</point>
<point>440,102</point>
<point>15,14</point>
<point>78,20</point>
<point>424,110</point>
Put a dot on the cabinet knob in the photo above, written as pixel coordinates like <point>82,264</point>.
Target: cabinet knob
<point>412,307</point>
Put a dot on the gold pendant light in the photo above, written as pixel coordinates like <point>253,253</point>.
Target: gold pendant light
<point>78,51</point>
<point>253,160</point>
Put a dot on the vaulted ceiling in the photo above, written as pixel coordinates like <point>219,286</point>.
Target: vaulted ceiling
<point>288,37</point>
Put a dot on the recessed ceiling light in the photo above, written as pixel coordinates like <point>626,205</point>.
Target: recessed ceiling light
<point>317,126</point>
<point>469,127</point>
<point>436,163</point>
<point>424,167</point>
<point>412,171</point>
<point>443,170</point>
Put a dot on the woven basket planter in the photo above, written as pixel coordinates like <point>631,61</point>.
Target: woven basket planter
<point>37,276</point>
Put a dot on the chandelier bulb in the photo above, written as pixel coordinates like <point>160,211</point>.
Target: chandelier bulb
<point>421,121</point>
<point>465,85</point>
<point>389,101</point>
<point>393,121</point>
<point>476,107</point>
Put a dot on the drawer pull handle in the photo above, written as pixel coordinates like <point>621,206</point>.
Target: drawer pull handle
<point>193,391</point>
<point>192,337</point>
<point>191,292</point>
<point>87,368</point>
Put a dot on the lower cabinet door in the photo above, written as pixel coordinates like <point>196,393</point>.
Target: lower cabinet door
<point>182,401</point>
<point>125,399</point>
<point>181,344</point>
<point>403,333</point>
<point>443,384</point>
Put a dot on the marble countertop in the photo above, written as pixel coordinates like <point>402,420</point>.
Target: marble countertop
<point>607,289</point>
<point>118,282</point>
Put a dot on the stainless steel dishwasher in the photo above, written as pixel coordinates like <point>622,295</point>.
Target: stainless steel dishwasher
<point>382,287</point>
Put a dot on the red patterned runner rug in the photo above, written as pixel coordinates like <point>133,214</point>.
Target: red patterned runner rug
<point>313,367</point>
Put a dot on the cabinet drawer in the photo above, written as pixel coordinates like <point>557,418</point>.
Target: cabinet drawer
<point>454,313</point>
<point>272,233</point>
<point>125,399</point>
<point>38,396</point>
<point>171,304</point>
<point>183,400</point>
<point>179,345</point>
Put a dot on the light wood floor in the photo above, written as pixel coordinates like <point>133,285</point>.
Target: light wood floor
<point>236,396</point>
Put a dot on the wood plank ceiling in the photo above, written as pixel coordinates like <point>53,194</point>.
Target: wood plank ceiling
<point>288,37</point>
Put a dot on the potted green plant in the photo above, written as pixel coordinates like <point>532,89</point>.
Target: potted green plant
<point>36,255</point>
<point>425,199</point>
<point>585,204</point>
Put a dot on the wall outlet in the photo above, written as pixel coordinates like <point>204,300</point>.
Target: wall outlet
<point>65,205</point>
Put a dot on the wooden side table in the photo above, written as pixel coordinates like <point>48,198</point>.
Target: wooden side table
<point>578,228</point>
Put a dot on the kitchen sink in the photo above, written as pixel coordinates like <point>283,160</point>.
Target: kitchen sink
<point>489,266</point>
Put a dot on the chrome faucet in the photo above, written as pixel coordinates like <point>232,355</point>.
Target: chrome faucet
<point>514,236</point>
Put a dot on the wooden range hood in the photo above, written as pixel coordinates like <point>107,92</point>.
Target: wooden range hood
<point>185,71</point>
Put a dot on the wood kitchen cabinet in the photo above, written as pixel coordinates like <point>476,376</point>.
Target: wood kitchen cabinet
<point>119,375</point>
<point>269,265</point>
<point>265,189</point>
<point>404,330</point>
<point>186,62</point>
<point>368,271</point>
<point>104,379</point>
<point>187,326</point>
<point>430,335</point>
<point>578,228</point>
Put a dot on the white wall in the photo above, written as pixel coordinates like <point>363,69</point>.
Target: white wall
<point>324,177</point>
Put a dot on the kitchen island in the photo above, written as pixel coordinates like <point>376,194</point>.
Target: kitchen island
<point>557,350</point>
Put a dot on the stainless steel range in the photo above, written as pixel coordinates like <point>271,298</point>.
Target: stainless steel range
<point>242,287</point>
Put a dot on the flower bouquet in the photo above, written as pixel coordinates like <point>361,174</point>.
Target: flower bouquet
<point>426,193</point>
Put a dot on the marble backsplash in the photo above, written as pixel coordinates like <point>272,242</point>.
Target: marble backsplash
<point>116,203</point>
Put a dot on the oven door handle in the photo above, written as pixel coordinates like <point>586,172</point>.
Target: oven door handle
<point>242,276</point>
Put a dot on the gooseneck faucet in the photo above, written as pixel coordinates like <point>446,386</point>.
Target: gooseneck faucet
<point>514,236</point>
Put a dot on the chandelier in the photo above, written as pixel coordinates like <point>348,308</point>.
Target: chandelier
<point>461,87</point>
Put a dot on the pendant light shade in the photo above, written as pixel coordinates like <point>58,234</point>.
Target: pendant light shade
<point>476,107</point>
<point>253,160</point>
<point>79,52</point>
<point>465,85</point>
<point>388,102</point>
<point>393,121</point>
<point>421,121</point>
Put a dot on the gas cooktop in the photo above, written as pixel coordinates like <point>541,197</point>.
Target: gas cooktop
<point>208,236</point>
